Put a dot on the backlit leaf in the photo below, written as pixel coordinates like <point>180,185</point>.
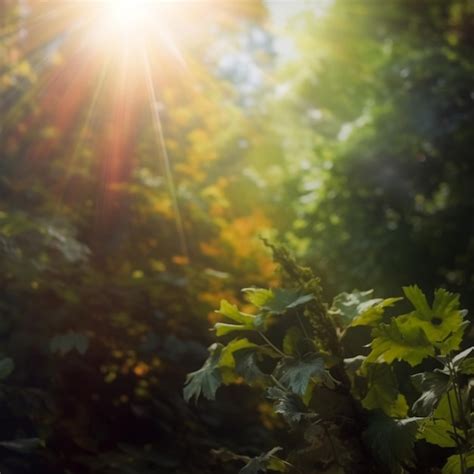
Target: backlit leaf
<point>395,341</point>
<point>438,432</point>
<point>207,379</point>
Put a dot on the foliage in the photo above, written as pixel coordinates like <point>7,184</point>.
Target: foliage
<point>302,373</point>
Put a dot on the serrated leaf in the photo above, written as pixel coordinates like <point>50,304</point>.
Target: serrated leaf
<point>432,385</point>
<point>258,296</point>
<point>285,299</point>
<point>391,440</point>
<point>347,305</point>
<point>396,341</point>
<point>207,379</point>
<point>442,324</point>
<point>264,463</point>
<point>65,343</point>
<point>453,464</point>
<point>232,312</point>
<point>419,301</point>
<point>6,367</point>
<point>288,405</point>
<point>383,391</point>
<point>372,315</point>
<point>297,374</point>
<point>438,432</point>
<point>228,353</point>
<point>246,366</point>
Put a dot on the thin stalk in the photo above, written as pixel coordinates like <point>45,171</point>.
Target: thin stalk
<point>456,436</point>
<point>270,343</point>
<point>305,332</point>
<point>457,394</point>
<point>278,383</point>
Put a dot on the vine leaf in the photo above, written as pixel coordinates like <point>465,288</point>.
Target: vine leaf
<point>278,300</point>
<point>443,323</point>
<point>383,391</point>
<point>432,385</point>
<point>372,315</point>
<point>297,374</point>
<point>438,432</point>
<point>288,405</point>
<point>348,305</point>
<point>391,440</point>
<point>453,464</point>
<point>265,462</point>
<point>207,379</point>
<point>396,341</point>
<point>360,309</point>
<point>247,367</point>
<point>245,321</point>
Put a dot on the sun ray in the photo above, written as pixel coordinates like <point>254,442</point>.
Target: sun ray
<point>164,153</point>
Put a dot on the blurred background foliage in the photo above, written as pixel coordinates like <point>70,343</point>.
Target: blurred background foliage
<point>133,192</point>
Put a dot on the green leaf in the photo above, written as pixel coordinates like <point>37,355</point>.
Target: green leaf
<point>396,341</point>
<point>443,411</point>
<point>288,405</point>
<point>246,366</point>
<point>6,367</point>
<point>285,299</point>
<point>432,385</point>
<point>258,296</point>
<point>383,391</point>
<point>296,374</point>
<point>419,301</point>
<point>391,440</point>
<point>207,379</point>
<point>438,432</point>
<point>265,462</point>
<point>231,311</point>
<point>227,357</point>
<point>372,315</point>
<point>442,324</point>
<point>222,329</point>
<point>453,465</point>
<point>293,341</point>
<point>65,343</point>
<point>347,305</point>
<point>467,366</point>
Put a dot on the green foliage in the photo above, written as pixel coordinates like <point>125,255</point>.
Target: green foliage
<point>207,379</point>
<point>316,393</point>
<point>64,343</point>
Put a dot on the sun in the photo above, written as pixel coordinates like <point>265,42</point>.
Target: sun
<point>127,20</point>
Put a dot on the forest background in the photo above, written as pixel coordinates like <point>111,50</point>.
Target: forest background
<point>139,166</point>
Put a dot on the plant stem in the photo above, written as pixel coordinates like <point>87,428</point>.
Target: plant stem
<point>456,436</point>
<point>270,343</point>
<point>278,383</point>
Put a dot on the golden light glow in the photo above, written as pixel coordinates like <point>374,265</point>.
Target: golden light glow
<point>127,19</point>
